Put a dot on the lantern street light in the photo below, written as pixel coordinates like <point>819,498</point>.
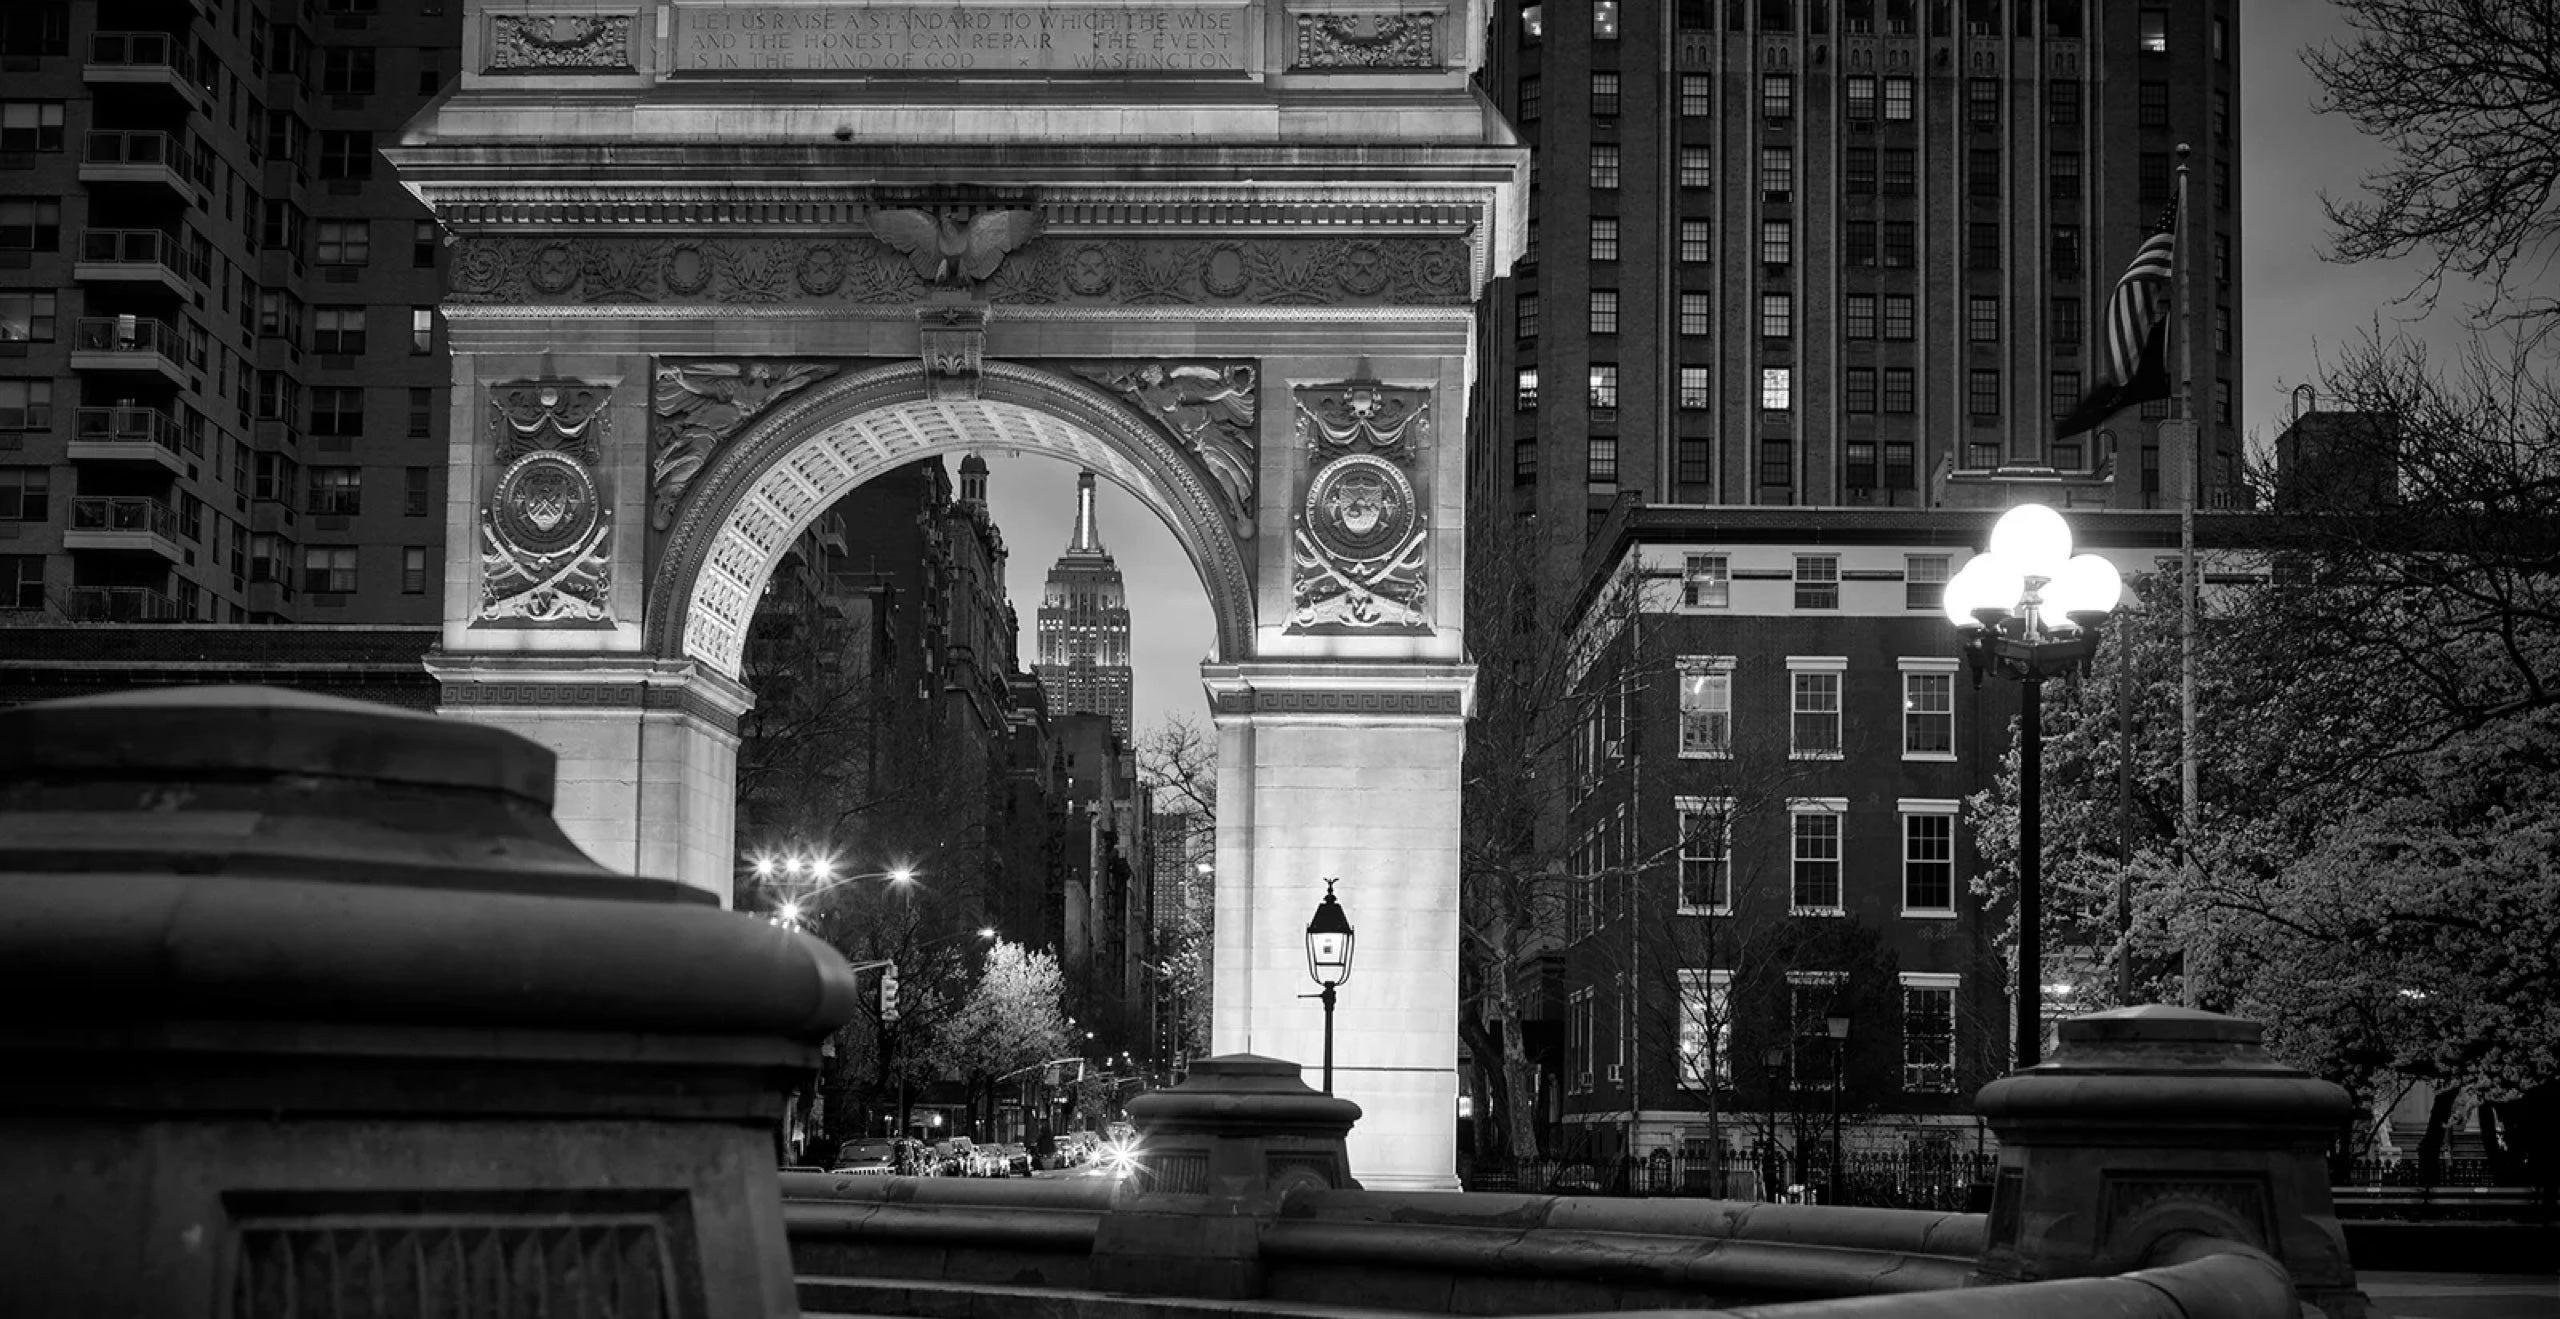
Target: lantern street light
<point>1329,941</point>
<point>2029,609</point>
<point>1773,1060</point>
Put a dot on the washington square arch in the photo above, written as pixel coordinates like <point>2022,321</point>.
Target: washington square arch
<point>717,262</point>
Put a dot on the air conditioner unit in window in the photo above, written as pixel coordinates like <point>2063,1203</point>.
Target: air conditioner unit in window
<point>1584,1083</point>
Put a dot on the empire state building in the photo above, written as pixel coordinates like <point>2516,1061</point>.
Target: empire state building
<point>1084,625</point>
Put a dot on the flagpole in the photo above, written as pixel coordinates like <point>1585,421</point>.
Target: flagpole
<point>2188,573</point>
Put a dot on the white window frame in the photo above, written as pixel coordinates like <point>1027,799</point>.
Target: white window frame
<point>1707,992</point>
<point>1837,808</point>
<point>1795,601</point>
<point>1933,666</point>
<point>1706,581</point>
<point>1688,807</point>
<point>1806,665</point>
<point>1911,578</point>
<point>1704,666</point>
<point>1906,810</point>
<point>1937,982</point>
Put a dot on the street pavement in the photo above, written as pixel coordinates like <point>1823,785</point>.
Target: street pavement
<point>2463,1295</point>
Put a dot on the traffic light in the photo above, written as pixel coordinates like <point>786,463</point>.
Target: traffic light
<point>889,993</point>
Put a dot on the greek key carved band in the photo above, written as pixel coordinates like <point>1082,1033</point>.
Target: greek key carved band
<point>1427,705</point>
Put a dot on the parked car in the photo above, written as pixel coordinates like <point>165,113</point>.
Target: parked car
<point>867,1158</point>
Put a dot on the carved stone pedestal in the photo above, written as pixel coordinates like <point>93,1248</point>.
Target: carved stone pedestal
<point>307,1008</point>
<point>2152,1123</point>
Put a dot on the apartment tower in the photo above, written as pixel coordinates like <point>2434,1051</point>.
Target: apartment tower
<point>1084,626</point>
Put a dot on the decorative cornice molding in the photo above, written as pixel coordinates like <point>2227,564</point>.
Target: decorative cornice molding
<point>466,695</point>
<point>1027,313</point>
<point>838,208</point>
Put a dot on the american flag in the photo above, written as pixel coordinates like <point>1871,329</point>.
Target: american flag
<point>2136,332</point>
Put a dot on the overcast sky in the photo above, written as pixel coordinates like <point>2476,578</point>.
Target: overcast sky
<point>2296,307</point>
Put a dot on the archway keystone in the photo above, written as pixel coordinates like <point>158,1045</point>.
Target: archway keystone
<point>700,290</point>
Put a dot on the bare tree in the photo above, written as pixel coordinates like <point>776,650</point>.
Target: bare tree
<point>2466,93</point>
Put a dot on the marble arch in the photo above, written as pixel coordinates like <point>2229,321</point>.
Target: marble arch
<point>712,261</point>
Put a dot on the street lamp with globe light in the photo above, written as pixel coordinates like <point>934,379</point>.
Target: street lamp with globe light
<point>2029,609</point>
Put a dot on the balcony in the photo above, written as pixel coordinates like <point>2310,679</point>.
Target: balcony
<point>124,523</point>
<point>127,435</point>
<point>151,60</point>
<point>128,343</point>
<point>129,256</point>
<point>144,157</point>
<point>123,604</point>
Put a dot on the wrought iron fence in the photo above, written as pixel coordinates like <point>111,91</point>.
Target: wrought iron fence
<point>1875,1179</point>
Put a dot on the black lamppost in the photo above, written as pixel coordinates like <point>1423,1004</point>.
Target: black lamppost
<point>2029,609</point>
<point>1773,1060</point>
<point>1837,1025</point>
<point>1329,961</point>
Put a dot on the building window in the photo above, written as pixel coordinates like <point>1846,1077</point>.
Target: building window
<point>1778,243</point>
<point>30,125</point>
<point>1777,171</point>
<point>1697,95</point>
<point>1600,459</point>
<point>2154,31</point>
<point>1858,464</point>
<point>1706,1029</point>
<point>2222,258</point>
<point>1859,385</point>
<point>1706,582</point>
<point>1897,317</point>
<point>1525,389</point>
<point>414,490</point>
<point>1898,468</point>
<point>1697,241</point>
<point>1862,97</point>
<point>337,410</point>
<point>1982,320</point>
<point>1898,400</point>
<point>1858,242</point>
<point>1811,996</point>
<point>1982,245</point>
<point>1524,459</point>
<point>26,405</point>
<point>1604,20</point>
<point>1604,238</point>
<point>343,242</point>
<point>336,491</point>
<point>422,413</point>
<point>2153,173</point>
<point>1982,392</point>
<point>1899,244</point>
<point>1706,856</point>
<point>413,570</point>
<point>1706,707</point>
<point>1777,97</point>
<point>1924,581</point>
<point>1900,173</point>
<point>1604,311</point>
<point>329,569</point>
<point>1694,461</point>
<point>2066,322</point>
<point>1696,394</point>
<point>2222,401</point>
<point>1928,710</point>
<point>1982,102</point>
<point>346,155</point>
<point>26,317</point>
<point>1777,391</point>
<point>1604,167</point>
<point>1777,463</point>
<point>1604,387</point>
<point>1697,167</point>
<point>1814,856</point>
<point>2062,178</point>
<point>1858,171</point>
<point>1897,100</point>
<point>1858,316</point>
<point>347,70</point>
<point>1697,315</point>
<point>1777,315</point>
<point>2062,104</point>
<point>422,330</point>
<point>1604,94</point>
<point>23,494</point>
<point>30,226</point>
<point>1524,315</point>
<point>2065,393</point>
<point>2151,109</point>
<point>2221,116</point>
<point>2066,249</point>
<point>1928,1032</point>
<point>2222,329</point>
<point>21,580</point>
<point>1817,581</point>
<point>337,330</point>
<point>33,29</point>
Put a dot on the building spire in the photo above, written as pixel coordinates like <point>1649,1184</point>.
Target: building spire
<point>1088,537</point>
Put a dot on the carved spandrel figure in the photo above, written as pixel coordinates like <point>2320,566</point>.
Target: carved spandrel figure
<point>1212,411</point>
<point>701,406</point>
<point>946,255</point>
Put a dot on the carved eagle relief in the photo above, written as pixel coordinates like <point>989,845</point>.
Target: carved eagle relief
<point>948,256</point>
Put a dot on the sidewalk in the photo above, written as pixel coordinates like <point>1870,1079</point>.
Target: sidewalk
<point>2463,1295</point>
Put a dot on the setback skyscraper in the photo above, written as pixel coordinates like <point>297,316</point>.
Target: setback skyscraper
<point>1084,625</point>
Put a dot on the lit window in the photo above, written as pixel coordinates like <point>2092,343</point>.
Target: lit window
<point>1604,238</point>
<point>1776,388</point>
<point>1862,97</point>
<point>2155,31</point>
<point>1697,241</point>
<point>1697,95</point>
<point>1604,94</point>
<point>1859,316</point>
<point>1696,394</point>
<point>1777,97</point>
<point>1777,315</point>
<point>1604,387</point>
<point>1697,167</point>
<point>1604,19</point>
<point>1777,171</point>
<point>1706,1028</point>
<point>1604,166</point>
<point>1924,581</point>
<point>1706,706</point>
<point>422,330</point>
<point>1706,581</point>
<point>1777,242</point>
<point>1525,389</point>
<point>1697,315</point>
<point>1604,311</point>
<point>1982,320</point>
<point>1898,95</point>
